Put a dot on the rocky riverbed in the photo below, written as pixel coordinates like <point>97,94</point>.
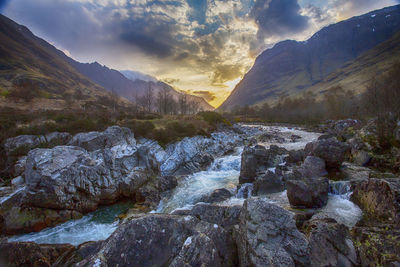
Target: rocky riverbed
<point>249,195</point>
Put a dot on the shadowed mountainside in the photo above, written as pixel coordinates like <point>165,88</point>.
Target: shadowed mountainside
<point>35,75</point>
<point>291,67</point>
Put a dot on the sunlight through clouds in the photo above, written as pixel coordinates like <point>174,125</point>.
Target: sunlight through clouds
<point>205,45</point>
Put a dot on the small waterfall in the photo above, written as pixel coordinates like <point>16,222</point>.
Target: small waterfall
<point>339,205</point>
<point>340,188</point>
<point>245,191</point>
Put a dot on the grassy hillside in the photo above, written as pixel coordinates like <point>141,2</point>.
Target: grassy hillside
<point>355,75</point>
<point>34,76</point>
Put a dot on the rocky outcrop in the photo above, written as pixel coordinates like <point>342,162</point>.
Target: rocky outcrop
<point>331,244</point>
<point>165,240</point>
<point>223,216</point>
<point>268,236</point>
<point>354,172</point>
<point>166,183</point>
<point>330,150</point>
<point>308,193</point>
<point>313,167</point>
<point>217,195</point>
<point>269,183</point>
<point>196,153</point>
<point>68,177</point>
<point>32,254</point>
<point>379,198</point>
<point>20,145</point>
<point>256,161</point>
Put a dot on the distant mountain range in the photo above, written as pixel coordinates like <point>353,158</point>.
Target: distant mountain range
<point>55,81</point>
<point>348,53</point>
<point>129,84</point>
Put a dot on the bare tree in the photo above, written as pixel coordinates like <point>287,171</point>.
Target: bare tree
<point>183,103</point>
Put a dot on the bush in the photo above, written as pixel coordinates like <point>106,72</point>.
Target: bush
<point>212,117</point>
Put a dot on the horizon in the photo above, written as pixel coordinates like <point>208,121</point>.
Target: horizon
<point>204,48</point>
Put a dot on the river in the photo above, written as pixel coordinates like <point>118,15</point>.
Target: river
<point>223,173</point>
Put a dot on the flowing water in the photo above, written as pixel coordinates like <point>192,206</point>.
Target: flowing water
<point>94,226</point>
<point>223,173</point>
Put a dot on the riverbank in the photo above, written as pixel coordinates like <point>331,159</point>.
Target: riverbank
<point>217,188</point>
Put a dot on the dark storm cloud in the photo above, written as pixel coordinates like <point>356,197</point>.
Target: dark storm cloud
<point>278,17</point>
<point>208,96</point>
<point>3,3</point>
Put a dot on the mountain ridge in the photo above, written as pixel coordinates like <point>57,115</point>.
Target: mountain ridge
<point>292,67</point>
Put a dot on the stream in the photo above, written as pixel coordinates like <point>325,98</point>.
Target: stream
<point>223,173</point>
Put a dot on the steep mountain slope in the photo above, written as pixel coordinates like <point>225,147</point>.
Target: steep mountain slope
<point>114,80</point>
<point>355,75</point>
<point>135,75</point>
<point>35,75</point>
<point>291,67</point>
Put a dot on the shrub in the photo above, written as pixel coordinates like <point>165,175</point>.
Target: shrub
<point>212,117</point>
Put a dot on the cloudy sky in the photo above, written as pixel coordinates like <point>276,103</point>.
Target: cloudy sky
<point>201,46</point>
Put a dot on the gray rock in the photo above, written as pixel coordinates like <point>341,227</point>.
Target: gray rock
<point>296,156</point>
<point>111,137</point>
<point>223,216</point>
<point>354,172</point>
<point>217,195</point>
<point>57,139</point>
<point>361,157</point>
<point>19,166</point>
<point>165,240</point>
<point>167,182</point>
<point>331,244</point>
<point>68,177</point>
<point>197,153</point>
<point>268,236</point>
<point>308,193</point>
<point>313,167</point>
<point>268,183</point>
<point>20,145</point>
<point>330,150</point>
<point>256,160</point>
<point>17,181</point>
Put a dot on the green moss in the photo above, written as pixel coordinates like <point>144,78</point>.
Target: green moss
<point>4,93</point>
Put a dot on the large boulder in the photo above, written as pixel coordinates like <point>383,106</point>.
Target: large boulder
<point>256,160</point>
<point>379,199</point>
<point>330,150</point>
<point>32,254</point>
<point>68,177</point>
<point>217,195</point>
<point>165,240</point>
<point>111,137</point>
<point>223,216</point>
<point>331,244</point>
<point>308,193</point>
<point>268,236</point>
<point>268,183</point>
<point>313,167</point>
<point>354,172</point>
<point>16,217</point>
<point>20,145</point>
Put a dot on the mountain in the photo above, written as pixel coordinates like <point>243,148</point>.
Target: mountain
<point>126,87</point>
<point>35,75</point>
<point>136,75</point>
<point>355,75</point>
<point>292,67</point>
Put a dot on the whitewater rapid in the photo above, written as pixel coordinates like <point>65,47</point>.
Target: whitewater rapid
<point>223,173</point>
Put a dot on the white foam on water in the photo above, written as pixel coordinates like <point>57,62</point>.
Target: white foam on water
<point>74,232</point>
